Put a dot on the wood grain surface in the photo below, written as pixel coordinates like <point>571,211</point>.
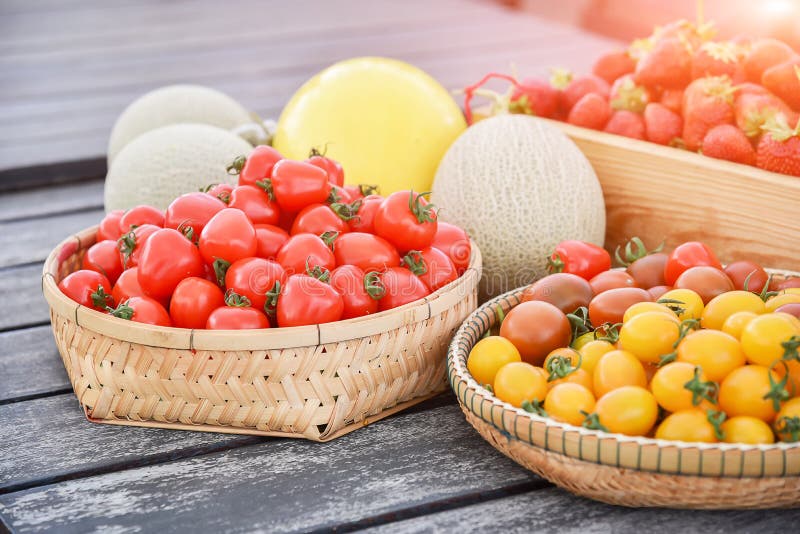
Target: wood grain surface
<point>26,353</point>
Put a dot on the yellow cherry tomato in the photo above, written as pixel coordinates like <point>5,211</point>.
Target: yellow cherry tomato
<point>723,306</point>
<point>682,386</point>
<point>790,291</point>
<point>787,422</point>
<point>792,367</point>
<point>488,356</point>
<point>717,353</point>
<point>746,429</point>
<point>689,304</point>
<point>777,301</point>
<point>687,425</point>
<point>762,338</point>
<point>649,335</point>
<point>736,322</point>
<point>791,318</point>
<point>630,410</point>
<point>578,376</point>
<point>562,355</point>
<point>744,390</point>
<point>582,340</point>
<point>616,369</point>
<point>566,401</point>
<point>591,353</point>
<point>642,307</point>
<point>517,382</point>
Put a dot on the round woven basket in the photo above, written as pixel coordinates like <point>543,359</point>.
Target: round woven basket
<point>316,382</point>
<point>618,469</point>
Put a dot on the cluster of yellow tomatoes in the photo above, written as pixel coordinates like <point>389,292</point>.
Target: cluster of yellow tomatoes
<point>674,369</point>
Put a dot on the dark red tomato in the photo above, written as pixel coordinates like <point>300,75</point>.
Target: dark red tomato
<point>453,241</point>
<point>140,215</point>
<point>305,300</point>
<point>87,288</point>
<point>657,291</point>
<point>648,271</point>
<point>610,306</point>
<point>432,266</point>
<point>339,194</point>
<point>221,192</point>
<point>256,204</point>
<point>255,278</point>
<point>331,167</point>
<point>401,286</point>
<point>270,240</point>
<point>143,310</point>
<point>565,291</point>
<point>793,308</point>
<point>552,330</point>
<point>739,271</point>
<point>167,258</point>
<point>131,244</point>
<point>360,292</point>
<point>296,184</point>
<point>237,318</point>
<point>303,250</point>
<point>190,213</point>
<point>788,283</point>
<point>318,219</point>
<point>407,221</point>
<point>686,255</point>
<point>611,280</point>
<point>109,226</point>
<point>228,236</point>
<point>127,286</point>
<point>193,301</point>
<point>257,166</point>
<point>708,282</point>
<point>368,252</point>
<point>580,258</point>
<point>103,257</point>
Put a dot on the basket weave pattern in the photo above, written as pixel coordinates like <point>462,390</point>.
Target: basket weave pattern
<point>316,382</point>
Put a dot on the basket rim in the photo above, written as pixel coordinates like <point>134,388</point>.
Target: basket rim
<point>457,372</point>
<point>264,339</point>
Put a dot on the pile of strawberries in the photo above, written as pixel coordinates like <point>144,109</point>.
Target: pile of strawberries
<point>736,100</point>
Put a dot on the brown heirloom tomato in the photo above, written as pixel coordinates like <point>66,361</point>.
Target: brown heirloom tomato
<point>708,282</point>
<point>611,280</point>
<point>610,306</point>
<point>648,271</point>
<point>739,271</point>
<point>536,328</point>
<point>565,291</point>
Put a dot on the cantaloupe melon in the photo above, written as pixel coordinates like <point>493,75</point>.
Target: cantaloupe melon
<point>518,186</point>
<point>171,105</point>
<point>166,162</point>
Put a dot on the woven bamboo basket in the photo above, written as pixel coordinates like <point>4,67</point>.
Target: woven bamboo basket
<point>316,382</point>
<point>618,469</point>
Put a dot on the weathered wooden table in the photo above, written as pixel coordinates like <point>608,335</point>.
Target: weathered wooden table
<point>68,68</point>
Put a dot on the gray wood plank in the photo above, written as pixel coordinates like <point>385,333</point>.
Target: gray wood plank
<point>405,461</point>
<point>555,510</point>
<point>30,364</point>
<point>51,200</point>
<point>21,293</point>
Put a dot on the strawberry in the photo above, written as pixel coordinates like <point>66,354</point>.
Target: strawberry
<point>534,97</point>
<point>591,111</point>
<point>582,86</point>
<point>784,80</point>
<point>779,148</point>
<point>672,99</point>
<point>612,65</point>
<point>707,102</point>
<point>719,59</point>
<point>661,124</point>
<point>753,110</point>
<point>763,54</point>
<point>668,64</point>
<point>728,142</point>
<point>627,123</point>
<point>625,94</point>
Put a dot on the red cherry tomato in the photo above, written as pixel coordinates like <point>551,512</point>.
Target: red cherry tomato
<point>318,219</point>
<point>305,300</point>
<point>432,266</point>
<point>270,240</point>
<point>611,280</point>
<point>368,252</point>
<point>331,167</point>
<point>686,255</point>
<point>255,278</point>
<point>359,291</point>
<point>87,288</point>
<point>256,204</point>
<point>407,221</point>
<point>453,241</point>
<point>361,191</point>
<point>143,310</point>
<point>103,257</point>
<point>648,271</point>
<point>228,236</point>
<point>401,287</point>
<point>578,257</point>
<point>657,291</point>
<point>257,166</point>
<point>287,220</point>
<point>193,301</point>
<point>747,271</point>
<point>304,250</point>
<point>708,282</point>
<point>236,315</point>
<point>140,215</point>
<point>339,194</point>
<point>296,184</point>
<point>131,244</point>
<point>221,192</point>
<point>192,211</point>
<point>167,258</point>
<point>109,226</point>
<point>610,306</point>
<point>365,210</point>
<point>127,286</point>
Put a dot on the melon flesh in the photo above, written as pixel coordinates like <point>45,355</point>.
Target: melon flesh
<point>164,163</point>
<point>518,186</point>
